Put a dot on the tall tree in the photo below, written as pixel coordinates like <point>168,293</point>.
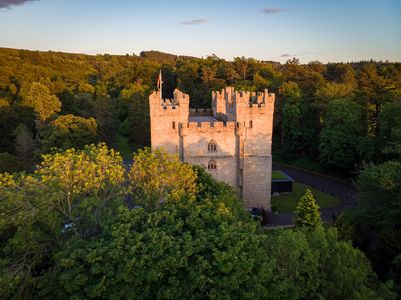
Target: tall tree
<point>24,146</point>
<point>307,211</point>
<point>43,103</point>
<point>156,176</point>
<point>69,131</point>
<point>341,138</point>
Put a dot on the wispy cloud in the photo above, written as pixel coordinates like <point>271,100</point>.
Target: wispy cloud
<point>194,22</point>
<point>285,55</point>
<point>274,10</point>
<point>8,3</point>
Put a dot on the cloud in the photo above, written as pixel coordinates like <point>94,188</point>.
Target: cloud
<point>274,10</point>
<point>286,55</point>
<point>8,3</point>
<point>194,22</point>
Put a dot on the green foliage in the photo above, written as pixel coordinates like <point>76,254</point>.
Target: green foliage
<point>332,91</point>
<point>390,130</point>
<point>156,176</point>
<point>395,272</point>
<point>124,128</point>
<point>314,264</point>
<point>380,187</point>
<point>290,90</point>
<point>106,113</point>
<point>138,115</point>
<point>298,138</point>
<point>339,139</point>
<point>201,245</point>
<point>9,163</point>
<point>86,183</point>
<point>24,146</point>
<point>112,88</point>
<point>43,103</point>
<point>377,215</point>
<point>30,226</point>
<point>10,118</point>
<point>69,131</point>
<point>180,251</point>
<point>307,212</point>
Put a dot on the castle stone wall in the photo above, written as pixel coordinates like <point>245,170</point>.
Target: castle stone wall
<point>241,128</point>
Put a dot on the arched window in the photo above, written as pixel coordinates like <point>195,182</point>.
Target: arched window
<point>211,147</point>
<point>212,165</point>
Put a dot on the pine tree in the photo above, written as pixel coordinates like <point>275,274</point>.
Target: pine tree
<point>307,211</point>
<point>24,146</point>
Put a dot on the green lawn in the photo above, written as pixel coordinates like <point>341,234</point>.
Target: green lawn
<point>124,148</point>
<point>288,202</point>
<point>278,175</point>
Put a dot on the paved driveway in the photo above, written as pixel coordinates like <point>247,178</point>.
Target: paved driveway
<point>343,190</point>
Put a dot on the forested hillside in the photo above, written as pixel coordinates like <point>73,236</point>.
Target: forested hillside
<point>66,231</point>
<point>333,116</point>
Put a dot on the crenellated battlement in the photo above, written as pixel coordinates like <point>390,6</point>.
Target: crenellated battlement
<point>200,112</point>
<point>217,127</point>
<point>232,140</point>
<point>231,104</point>
<point>229,95</point>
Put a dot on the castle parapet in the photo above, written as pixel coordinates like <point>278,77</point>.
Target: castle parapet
<point>200,112</point>
<point>210,127</point>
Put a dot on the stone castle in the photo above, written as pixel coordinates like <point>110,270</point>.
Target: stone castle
<point>232,140</point>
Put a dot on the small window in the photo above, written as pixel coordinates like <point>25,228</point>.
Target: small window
<point>250,124</point>
<point>173,124</point>
<point>212,147</point>
<point>212,165</point>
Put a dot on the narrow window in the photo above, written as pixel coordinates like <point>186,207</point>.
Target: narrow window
<point>173,124</point>
<point>212,147</point>
<point>250,124</point>
<point>212,165</point>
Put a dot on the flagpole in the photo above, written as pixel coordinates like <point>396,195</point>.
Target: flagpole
<point>161,83</point>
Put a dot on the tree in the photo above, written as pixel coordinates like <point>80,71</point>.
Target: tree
<point>299,129</point>
<point>43,103</point>
<point>180,251</point>
<point>69,131</point>
<point>377,215</point>
<point>24,146</point>
<point>340,139</point>
<point>10,118</point>
<point>69,193</point>
<point>331,91</point>
<point>156,176</point>
<point>290,90</point>
<point>202,250</point>
<point>307,211</point>
<point>9,163</point>
<point>380,187</point>
<point>138,114</point>
<point>389,136</point>
<point>314,264</point>
<point>85,184</point>
<point>105,112</point>
<point>30,227</point>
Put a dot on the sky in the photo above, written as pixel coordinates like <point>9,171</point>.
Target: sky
<point>323,30</point>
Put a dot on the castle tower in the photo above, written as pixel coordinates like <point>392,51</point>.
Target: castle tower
<point>232,140</point>
<point>166,115</point>
<point>254,116</point>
